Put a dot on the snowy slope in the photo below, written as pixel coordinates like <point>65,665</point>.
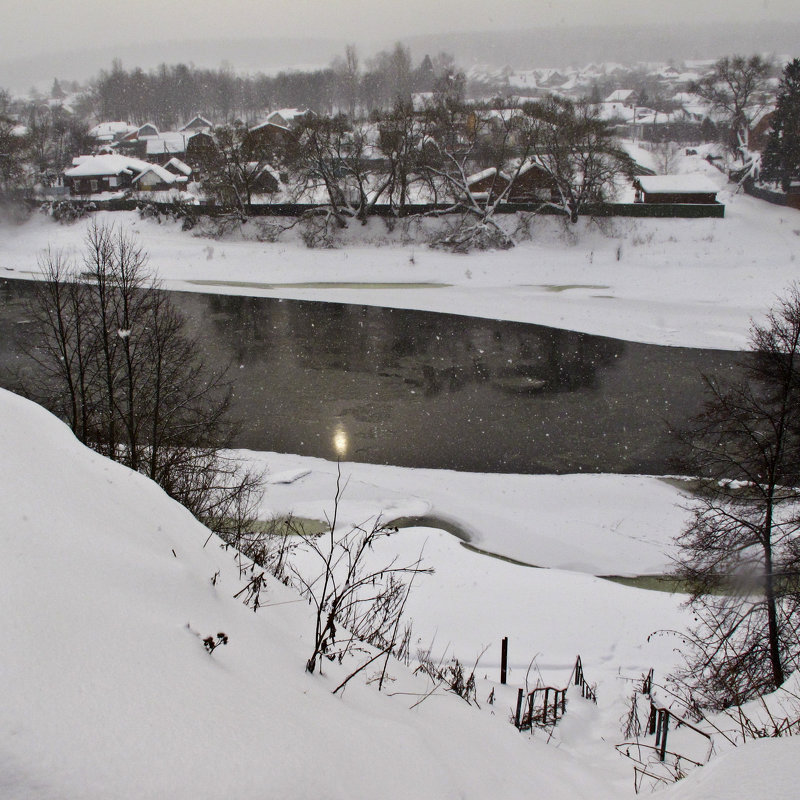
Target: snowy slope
<point>110,693</point>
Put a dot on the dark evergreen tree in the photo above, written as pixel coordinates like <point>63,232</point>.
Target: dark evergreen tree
<point>781,162</point>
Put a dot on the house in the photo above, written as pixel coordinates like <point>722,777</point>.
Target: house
<point>170,144</point>
<point>268,136</point>
<point>197,124</point>
<point>692,189</point>
<point>487,183</point>
<point>626,97</point>
<point>107,132</point>
<point>178,168</point>
<point>531,184</point>
<point>199,148</point>
<point>113,173</point>
<point>147,131</point>
<point>289,117</point>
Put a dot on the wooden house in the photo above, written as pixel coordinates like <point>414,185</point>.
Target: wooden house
<point>170,144</point>
<point>200,148</point>
<point>531,184</point>
<point>693,189</point>
<point>197,124</point>
<point>178,168</point>
<point>114,173</point>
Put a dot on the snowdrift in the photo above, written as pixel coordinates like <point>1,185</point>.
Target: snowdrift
<point>107,594</point>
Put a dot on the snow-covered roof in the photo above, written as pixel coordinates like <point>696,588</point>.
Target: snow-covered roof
<point>269,123</point>
<point>185,169</point>
<point>197,123</point>
<point>93,166</point>
<point>144,131</point>
<point>106,131</point>
<point>164,175</point>
<point>676,184</point>
<point>619,96</point>
<point>167,142</point>
<point>479,176</point>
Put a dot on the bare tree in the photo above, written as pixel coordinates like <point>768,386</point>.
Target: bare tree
<point>576,148</point>
<point>740,556</point>
<point>348,79</point>
<point>736,87</point>
<point>240,165</point>
<point>353,599</point>
<point>115,362</point>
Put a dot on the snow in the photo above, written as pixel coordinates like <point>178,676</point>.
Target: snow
<point>115,165</point>
<point>107,594</point>
<point>678,282</point>
<point>764,769</point>
<point>107,590</point>
<point>167,142</point>
<point>597,524</point>
<point>676,184</point>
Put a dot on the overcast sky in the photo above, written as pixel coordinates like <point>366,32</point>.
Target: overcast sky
<point>30,27</point>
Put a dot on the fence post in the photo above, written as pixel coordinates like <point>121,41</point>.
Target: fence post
<point>504,660</point>
<point>555,707</point>
<point>546,704</point>
<point>564,701</point>
<point>659,719</point>
<point>664,729</point>
<point>578,672</point>
<point>519,708</point>
<point>648,682</point>
<point>651,720</point>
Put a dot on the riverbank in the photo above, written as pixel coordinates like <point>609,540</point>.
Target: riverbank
<point>694,283</point>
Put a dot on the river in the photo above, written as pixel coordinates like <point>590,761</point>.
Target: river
<point>421,389</point>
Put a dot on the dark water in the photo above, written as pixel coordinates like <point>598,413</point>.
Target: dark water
<point>420,389</point>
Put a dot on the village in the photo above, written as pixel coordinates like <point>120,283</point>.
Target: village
<point>475,143</point>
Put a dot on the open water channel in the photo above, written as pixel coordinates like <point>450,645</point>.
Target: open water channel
<point>420,389</point>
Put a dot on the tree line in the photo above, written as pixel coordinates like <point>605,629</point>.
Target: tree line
<point>170,94</point>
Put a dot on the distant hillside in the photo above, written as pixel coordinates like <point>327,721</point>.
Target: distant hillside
<point>545,47</point>
<point>562,47</point>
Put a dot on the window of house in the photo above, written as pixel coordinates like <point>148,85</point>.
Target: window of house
<point>93,185</point>
<point>113,181</point>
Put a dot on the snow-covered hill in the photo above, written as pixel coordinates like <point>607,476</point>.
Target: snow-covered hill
<point>107,593</point>
<point>109,692</point>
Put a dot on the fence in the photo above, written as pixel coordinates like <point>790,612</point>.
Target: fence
<point>652,210</point>
<point>776,198</point>
<point>530,713</point>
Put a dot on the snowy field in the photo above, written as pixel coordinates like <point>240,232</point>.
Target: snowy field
<point>107,587</point>
<point>672,281</point>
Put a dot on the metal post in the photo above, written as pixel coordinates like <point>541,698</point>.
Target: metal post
<point>530,708</point>
<point>517,719</point>
<point>658,726</point>
<point>504,660</point>
<point>664,729</point>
